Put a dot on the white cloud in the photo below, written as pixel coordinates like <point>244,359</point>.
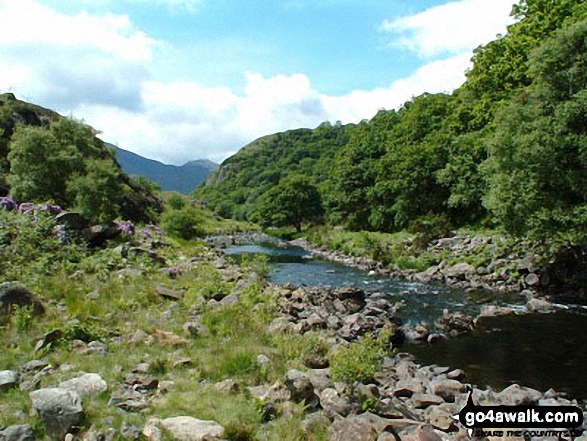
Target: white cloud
<point>451,28</point>
<point>98,67</point>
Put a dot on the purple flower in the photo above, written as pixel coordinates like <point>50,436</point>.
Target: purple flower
<point>27,207</point>
<point>125,227</point>
<point>8,204</point>
<point>146,233</point>
<point>53,209</point>
<point>174,271</point>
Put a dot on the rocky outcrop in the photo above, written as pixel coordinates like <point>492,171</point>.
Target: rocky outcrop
<point>13,295</point>
<point>61,410</point>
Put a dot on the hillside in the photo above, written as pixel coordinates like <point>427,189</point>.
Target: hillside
<point>45,157</point>
<point>238,186</point>
<point>506,150</point>
<point>183,179</point>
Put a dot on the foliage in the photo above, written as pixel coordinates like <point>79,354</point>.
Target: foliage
<point>358,362</point>
<point>293,201</point>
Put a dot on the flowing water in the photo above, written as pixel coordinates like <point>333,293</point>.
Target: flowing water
<point>537,350</point>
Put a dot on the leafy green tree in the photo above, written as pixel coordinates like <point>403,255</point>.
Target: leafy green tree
<point>538,154</point>
<point>98,192</point>
<point>293,201</point>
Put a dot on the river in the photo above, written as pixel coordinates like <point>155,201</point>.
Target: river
<point>541,351</point>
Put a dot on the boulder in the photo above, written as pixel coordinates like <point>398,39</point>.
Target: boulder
<point>72,220</point>
<point>13,295</point>
<point>8,380</point>
<point>422,401</point>
<point>17,433</point>
<point>459,271</point>
<point>516,395</point>
<point>447,389</point>
<point>352,428</point>
<point>61,410</point>
<point>333,404</point>
<point>85,385</point>
<point>301,388</point>
<point>184,428</point>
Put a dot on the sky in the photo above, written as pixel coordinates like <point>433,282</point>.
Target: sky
<point>178,80</point>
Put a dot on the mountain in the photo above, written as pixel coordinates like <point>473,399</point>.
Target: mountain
<point>238,186</point>
<point>183,179</point>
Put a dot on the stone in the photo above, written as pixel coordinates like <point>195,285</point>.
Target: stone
<point>332,403</point>
<point>263,360</point>
<point>12,295</point>
<point>185,428</point>
<point>34,366</point>
<point>494,311</point>
<point>72,220</point>
<point>532,279</point>
<point>61,410</point>
<point>539,305</point>
<point>194,328</point>
<point>422,401</point>
<point>169,338</point>
<point>85,385</point>
<point>421,433</point>
<point>130,431</point>
<point>48,339</point>
<point>229,300</point>
<point>96,347</point>
<point>456,374</point>
<point>352,428</point>
<point>441,416</point>
<point>300,387</point>
<point>17,433</point>
<point>446,389</point>
<point>169,294</point>
<point>408,387</point>
<point>228,386</point>
<point>516,395</point>
<point>8,380</point>
<point>459,271</point>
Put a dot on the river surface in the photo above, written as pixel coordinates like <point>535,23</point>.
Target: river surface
<point>536,350</point>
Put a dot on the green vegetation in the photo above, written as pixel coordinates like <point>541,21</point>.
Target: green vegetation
<point>504,151</point>
<point>360,361</point>
<point>45,158</point>
<point>109,294</point>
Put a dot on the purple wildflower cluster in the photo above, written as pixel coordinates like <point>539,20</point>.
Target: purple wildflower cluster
<point>151,231</point>
<point>8,204</point>
<point>174,271</point>
<point>126,227</point>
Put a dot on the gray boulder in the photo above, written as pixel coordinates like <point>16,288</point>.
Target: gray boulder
<point>184,428</point>
<point>85,385</point>
<point>61,410</point>
<point>17,433</point>
<point>8,380</point>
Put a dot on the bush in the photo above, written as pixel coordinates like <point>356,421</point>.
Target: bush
<point>358,362</point>
<point>182,223</point>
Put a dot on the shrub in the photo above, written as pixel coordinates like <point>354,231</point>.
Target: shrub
<point>358,362</point>
<point>183,223</point>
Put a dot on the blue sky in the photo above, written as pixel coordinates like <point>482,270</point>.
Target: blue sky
<point>176,80</point>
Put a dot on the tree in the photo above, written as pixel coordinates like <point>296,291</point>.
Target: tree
<point>293,201</point>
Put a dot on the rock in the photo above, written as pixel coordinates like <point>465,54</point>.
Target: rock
<point>333,404</point>
<point>300,387</point>
<point>422,401</point>
<point>17,433</point>
<point>130,431</point>
<point>12,295</point>
<point>408,387</point>
<point>456,374</point>
<point>494,311</point>
<point>441,416</point>
<point>459,271</point>
<point>532,279</point>
<point>72,220</point>
<point>516,395</point>
<point>96,347</point>
<point>98,235</point>
<point>539,305</point>
<point>228,386</point>
<point>315,361</point>
<point>185,428</point>
<point>8,380</point>
<point>352,428</point>
<point>446,389</point>
<point>61,410</point>
<point>455,323</point>
<point>279,325</point>
<point>34,366</point>
<point>314,421</point>
<point>229,300</point>
<point>168,293</point>
<point>169,338</point>
<point>421,433</point>
<point>48,339</point>
<point>194,328</point>
<point>263,360</point>
<point>86,385</point>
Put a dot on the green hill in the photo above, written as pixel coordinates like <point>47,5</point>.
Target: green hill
<point>505,150</point>
<point>45,157</point>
